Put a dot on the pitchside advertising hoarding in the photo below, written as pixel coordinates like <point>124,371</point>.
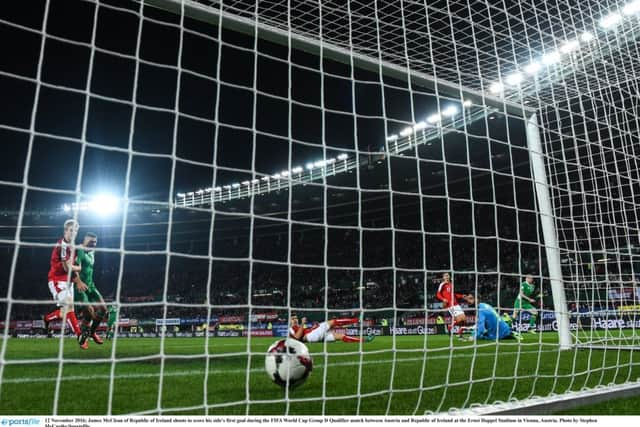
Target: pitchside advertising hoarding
<point>624,317</point>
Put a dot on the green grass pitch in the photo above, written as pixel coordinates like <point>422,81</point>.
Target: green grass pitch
<point>395,377</point>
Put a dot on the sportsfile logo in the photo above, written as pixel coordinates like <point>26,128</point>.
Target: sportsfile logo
<point>20,421</point>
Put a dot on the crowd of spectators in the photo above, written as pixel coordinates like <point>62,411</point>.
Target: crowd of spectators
<point>352,271</point>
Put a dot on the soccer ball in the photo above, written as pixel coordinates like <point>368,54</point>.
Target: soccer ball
<point>288,362</point>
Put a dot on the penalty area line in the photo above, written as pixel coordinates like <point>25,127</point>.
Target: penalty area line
<point>212,372</point>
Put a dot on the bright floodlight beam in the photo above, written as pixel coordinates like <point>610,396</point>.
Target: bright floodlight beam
<point>586,37</point>
<point>496,88</point>
<point>420,125</point>
<point>434,118</point>
<point>631,8</point>
<point>551,58</point>
<point>610,21</point>
<point>514,79</point>
<point>406,131</point>
<point>450,111</point>
<point>570,46</point>
<point>532,68</point>
<point>104,204</point>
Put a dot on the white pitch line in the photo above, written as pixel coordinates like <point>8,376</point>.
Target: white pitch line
<point>198,372</point>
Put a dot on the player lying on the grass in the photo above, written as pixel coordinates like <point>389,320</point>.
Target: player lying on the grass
<point>322,331</point>
<point>449,300</point>
<point>94,310</point>
<point>62,272</point>
<point>489,324</point>
<point>524,302</point>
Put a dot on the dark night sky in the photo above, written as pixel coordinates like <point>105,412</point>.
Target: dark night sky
<point>347,124</point>
<point>60,112</point>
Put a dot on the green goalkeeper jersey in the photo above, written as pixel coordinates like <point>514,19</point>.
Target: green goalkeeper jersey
<point>85,260</point>
<point>527,289</point>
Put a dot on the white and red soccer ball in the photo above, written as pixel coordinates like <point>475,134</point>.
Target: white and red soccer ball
<point>288,363</point>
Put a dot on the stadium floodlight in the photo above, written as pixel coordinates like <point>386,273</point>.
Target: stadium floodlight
<point>434,118</point>
<point>467,103</point>
<point>551,58</point>
<point>245,183</point>
<point>532,68</point>
<point>310,166</point>
<point>496,88</point>
<point>199,192</point>
<point>179,195</point>
<point>514,79</point>
<point>418,126</point>
<point>265,178</point>
<point>284,173</point>
<point>331,161</point>
<point>104,204</point>
<point>450,111</point>
<point>208,190</point>
<point>66,207</point>
<point>276,176</point>
<point>342,156</point>
<point>631,8</point>
<point>610,21</point>
<point>406,131</point>
<point>217,189</point>
<point>235,185</point>
<point>390,138</point>
<point>319,163</point>
<point>570,46</point>
<point>297,169</point>
<point>227,187</point>
<point>586,37</point>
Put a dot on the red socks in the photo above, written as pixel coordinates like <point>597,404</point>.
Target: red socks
<point>350,339</point>
<point>73,321</point>
<point>55,314</point>
<point>71,318</point>
<point>347,321</point>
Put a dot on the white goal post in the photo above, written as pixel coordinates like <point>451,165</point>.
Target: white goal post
<point>336,160</point>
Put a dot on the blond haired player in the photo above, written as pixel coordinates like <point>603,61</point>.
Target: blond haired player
<point>62,274</point>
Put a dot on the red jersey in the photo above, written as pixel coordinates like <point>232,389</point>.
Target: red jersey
<point>447,296</point>
<point>294,329</point>
<point>59,256</point>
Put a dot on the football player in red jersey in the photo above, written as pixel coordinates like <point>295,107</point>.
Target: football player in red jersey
<point>449,300</point>
<point>322,331</point>
<point>62,275</point>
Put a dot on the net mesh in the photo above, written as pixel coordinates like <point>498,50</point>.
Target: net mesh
<point>242,161</point>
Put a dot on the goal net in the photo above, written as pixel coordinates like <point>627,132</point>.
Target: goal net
<point>244,161</point>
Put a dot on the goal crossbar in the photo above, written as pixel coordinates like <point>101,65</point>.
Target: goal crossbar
<point>304,43</point>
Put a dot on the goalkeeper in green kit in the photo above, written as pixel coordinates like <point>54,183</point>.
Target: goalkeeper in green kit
<point>524,302</point>
<point>94,309</point>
